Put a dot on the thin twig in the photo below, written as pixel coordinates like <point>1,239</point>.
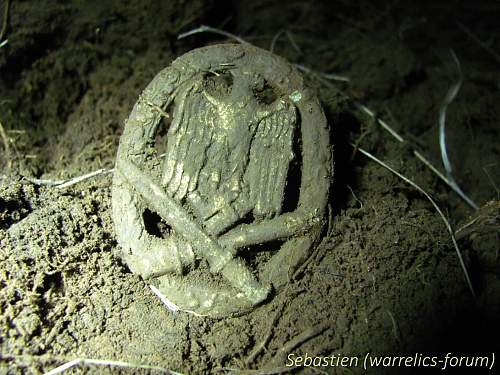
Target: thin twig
<point>354,195</point>
<point>5,23</point>
<point>275,39</point>
<point>76,180</point>
<point>427,163</point>
<point>43,182</point>
<point>300,339</point>
<point>323,77</point>
<point>158,109</point>
<point>292,41</point>
<point>264,342</point>
<point>170,305</point>
<point>485,219</point>
<point>381,122</point>
<point>482,44</point>
<point>273,371</point>
<point>450,96</point>
<point>319,248</point>
<point>100,362</point>
<point>61,184</point>
<point>446,222</point>
<point>5,140</point>
<point>395,327</point>
<point>492,182</point>
<point>209,29</point>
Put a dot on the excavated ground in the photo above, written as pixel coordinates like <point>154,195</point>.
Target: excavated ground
<point>386,279</point>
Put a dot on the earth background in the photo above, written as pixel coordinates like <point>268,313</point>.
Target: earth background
<point>385,280</point>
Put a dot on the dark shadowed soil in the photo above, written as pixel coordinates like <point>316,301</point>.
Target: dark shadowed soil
<point>386,279</point>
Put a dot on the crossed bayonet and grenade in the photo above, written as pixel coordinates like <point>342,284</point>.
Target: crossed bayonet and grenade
<point>242,135</point>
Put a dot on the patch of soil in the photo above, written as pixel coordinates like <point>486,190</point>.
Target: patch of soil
<point>386,279</point>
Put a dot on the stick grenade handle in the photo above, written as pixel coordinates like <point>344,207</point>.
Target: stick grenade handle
<point>220,260</point>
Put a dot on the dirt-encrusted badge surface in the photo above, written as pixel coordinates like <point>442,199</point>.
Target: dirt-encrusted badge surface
<point>236,202</point>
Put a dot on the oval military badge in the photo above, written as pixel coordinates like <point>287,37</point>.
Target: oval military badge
<point>237,200</point>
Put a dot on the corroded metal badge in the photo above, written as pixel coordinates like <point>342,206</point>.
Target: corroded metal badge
<point>222,178</point>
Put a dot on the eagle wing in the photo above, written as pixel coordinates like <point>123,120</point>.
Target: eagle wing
<point>270,156</point>
<point>188,141</point>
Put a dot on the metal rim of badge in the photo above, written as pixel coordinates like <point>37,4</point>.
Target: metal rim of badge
<point>199,269</point>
